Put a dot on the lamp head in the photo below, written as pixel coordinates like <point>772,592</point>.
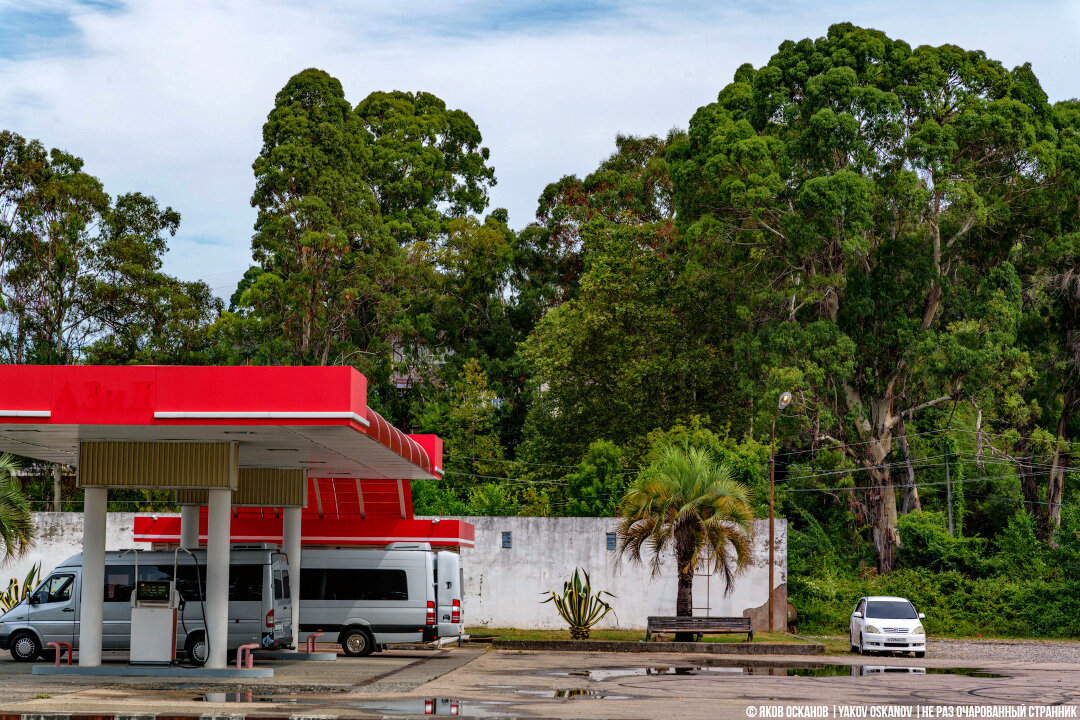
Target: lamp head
<point>785,400</point>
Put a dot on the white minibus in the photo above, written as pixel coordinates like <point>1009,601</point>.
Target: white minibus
<point>365,599</point>
<point>260,610</point>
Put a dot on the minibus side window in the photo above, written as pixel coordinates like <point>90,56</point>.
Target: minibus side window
<point>312,584</point>
<point>57,588</point>
<point>119,582</point>
<point>286,591</point>
<point>245,581</point>
<point>348,584</point>
<point>279,588</point>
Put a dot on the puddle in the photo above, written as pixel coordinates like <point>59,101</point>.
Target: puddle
<point>823,670</point>
<point>411,706</point>
<point>246,697</point>
<point>574,693</point>
<point>433,706</point>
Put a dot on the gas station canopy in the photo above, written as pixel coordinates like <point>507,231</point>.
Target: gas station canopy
<point>270,453</point>
<point>313,418</point>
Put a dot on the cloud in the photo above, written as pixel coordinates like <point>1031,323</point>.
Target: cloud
<point>169,98</point>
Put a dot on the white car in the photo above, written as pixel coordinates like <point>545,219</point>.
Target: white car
<point>887,624</point>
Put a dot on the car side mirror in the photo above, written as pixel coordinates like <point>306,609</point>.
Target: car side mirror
<point>922,616</point>
<point>34,600</point>
<point>856,614</point>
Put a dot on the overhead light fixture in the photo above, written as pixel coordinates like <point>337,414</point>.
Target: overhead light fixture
<point>21,430</point>
<point>239,432</point>
<point>282,450</point>
<point>785,400</point>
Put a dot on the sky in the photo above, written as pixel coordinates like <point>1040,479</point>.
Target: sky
<point>168,98</point>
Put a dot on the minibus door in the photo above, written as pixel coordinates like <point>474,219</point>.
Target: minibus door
<point>53,608</point>
<point>448,593</point>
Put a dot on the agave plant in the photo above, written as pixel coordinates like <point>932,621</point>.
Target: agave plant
<point>16,592</point>
<point>578,606</point>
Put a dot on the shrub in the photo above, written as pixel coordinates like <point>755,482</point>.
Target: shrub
<point>925,542</point>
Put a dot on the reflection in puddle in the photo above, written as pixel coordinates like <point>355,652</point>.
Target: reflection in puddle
<point>573,693</point>
<point>433,706</point>
<point>819,670</point>
<point>246,697</point>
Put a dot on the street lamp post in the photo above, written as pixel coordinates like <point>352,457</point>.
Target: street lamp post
<point>785,400</point>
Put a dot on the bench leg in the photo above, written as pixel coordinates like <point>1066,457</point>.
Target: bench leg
<point>750,636</point>
<point>647,633</point>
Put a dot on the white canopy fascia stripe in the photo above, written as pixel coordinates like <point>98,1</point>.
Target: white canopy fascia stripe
<point>26,413</point>
<point>261,415</point>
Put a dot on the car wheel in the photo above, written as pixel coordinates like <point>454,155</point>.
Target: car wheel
<point>357,643</point>
<point>862,650</point>
<point>25,647</point>
<point>851,643</point>
<point>920,654</point>
<point>197,649</point>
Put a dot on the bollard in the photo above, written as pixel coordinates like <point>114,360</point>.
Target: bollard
<point>57,645</point>
<point>249,649</point>
<point>311,641</point>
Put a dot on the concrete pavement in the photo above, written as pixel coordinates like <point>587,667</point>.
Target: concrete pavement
<point>473,683</point>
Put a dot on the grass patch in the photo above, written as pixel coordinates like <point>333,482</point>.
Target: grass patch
<point>619,635</point>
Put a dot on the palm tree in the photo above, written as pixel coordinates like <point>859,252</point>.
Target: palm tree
<point>688,502</point>
<point>16,524</point>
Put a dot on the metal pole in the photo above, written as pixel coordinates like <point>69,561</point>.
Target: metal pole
<point>290,543</point>
<point>948,491</point>
<point>217,575</point>
<point>95,501</point>
<point>772,514</point>
<point>189,527</point>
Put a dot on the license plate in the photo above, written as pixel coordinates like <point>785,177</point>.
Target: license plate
<point>896,640</point>
<point>277,627</point>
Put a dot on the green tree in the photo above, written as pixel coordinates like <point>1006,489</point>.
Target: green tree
<point>427,162</point>
<point>465,420</point>
<point>687,503</point>
<point>607,365</point>
<point>596,488</point>
<point>80,273</point>
<point>868,185</point>
<point>51,213</point>
<point>148,317</point>
<point>16,522</point>
<point>328,262</point>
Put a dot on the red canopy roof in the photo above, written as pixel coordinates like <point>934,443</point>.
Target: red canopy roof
<point>285,417</point>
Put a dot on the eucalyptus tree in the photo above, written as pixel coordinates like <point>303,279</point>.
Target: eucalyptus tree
<point>328,262</point>
<point>863,190</point>
<point>80,272</point>
<point>427,162</point>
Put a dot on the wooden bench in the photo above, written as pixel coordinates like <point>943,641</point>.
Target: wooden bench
<point>700,626</point>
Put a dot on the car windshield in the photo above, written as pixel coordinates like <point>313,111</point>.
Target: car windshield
<point>891,610</point>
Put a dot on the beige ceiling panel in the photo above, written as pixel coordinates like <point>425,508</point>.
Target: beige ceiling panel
<point>158,465</point>
<point>259,487</point>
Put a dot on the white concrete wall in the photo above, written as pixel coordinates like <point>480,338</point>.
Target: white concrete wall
<point>503,588</point>
<point>59,536</point>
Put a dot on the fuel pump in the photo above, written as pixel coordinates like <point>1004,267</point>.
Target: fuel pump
<point>153,620</point>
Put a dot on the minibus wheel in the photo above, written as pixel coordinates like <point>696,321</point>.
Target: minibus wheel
<point>357,642</point>
<point>25,647</point>
<point>196,648</point>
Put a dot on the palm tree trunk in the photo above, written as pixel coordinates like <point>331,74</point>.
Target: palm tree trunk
<point>684,601</point>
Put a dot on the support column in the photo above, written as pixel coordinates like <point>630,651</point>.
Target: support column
<point>290,543</point>
<point>93,576</point>
<point>218,540</point>
<point>189,526</point>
